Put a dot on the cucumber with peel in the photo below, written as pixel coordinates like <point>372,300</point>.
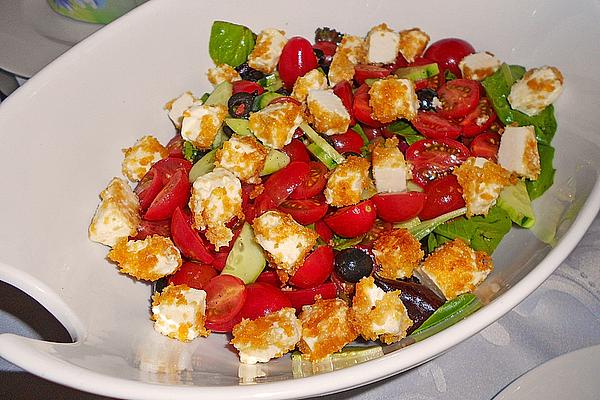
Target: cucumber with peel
<point>322,143</point>
<point>239,126</point>
<point>220,95</point>
<point>203,166</point>
<point>246,259</point>
<point>276,160</point>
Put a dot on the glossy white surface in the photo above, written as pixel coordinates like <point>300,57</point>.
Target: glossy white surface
<point>75,116</point>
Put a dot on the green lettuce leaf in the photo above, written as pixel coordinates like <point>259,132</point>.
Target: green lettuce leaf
<point>546,179</point>
<point>405,130</point>
<point>230,43</point>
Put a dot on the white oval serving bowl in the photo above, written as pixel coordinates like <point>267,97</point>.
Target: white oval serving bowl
<point>61,137</point>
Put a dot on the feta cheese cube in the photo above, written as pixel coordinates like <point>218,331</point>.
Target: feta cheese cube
<point>267,50</point>
<point>538,88</point>
<point>179,312</point>
<point>313,79</point>
<point>478,66</point>
<point>347,182</point>
<point>201,124</point>
<point>140,157</point>
<point>413,43</point>
<point>390,170</point>
<point>393,98</point>
<point>275,124</point>
<point>350,51</point>
<point>243,156</point>
<point>397,254</point>
<point>117,216</point>
<point>382,45</point>
<point>327,112</point>
<point>223,73</point>
<point>177,106</point>
<point>518,151</point>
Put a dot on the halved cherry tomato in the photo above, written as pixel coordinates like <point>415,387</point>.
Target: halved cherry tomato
<point>486,145</point>
<point>478,120</point>
<point>431,125</point>
<point>312,184</point>
<point>174,194</point>
<point>343,90</point>
<point>285,99</point>
<point>303,297</point>
<point>324,231</point>
<point>296,151</point>
<point>305,211</point>
<point>363,72</point>
<point>361,109</point>
<point>175,146</point>
<point>187,239</point>
<point>433,158</point>
<point>225,297</point>
<point>263,299</point>
<point>220,259</point>
<point>348,142</point>
<point>280,185</point>
<point>193,274</point>
<point>459,97</point>
<point>148,188</point>
<point>224,327</point>
<point>269,277</point>
<point>247,87</point>
<point>443,195</point>
<point>398,207</point>
<point>352,221</point>
<point>168,166</point>
<point>296,59</point>
<point>449,52</point>
<point>315,269</point>
<point>149,228</point>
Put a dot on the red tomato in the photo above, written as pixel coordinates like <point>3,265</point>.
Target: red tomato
<point>315,269</point>
<point>296,151</point>
<point>303,297</point>
<point>372,133</point>
<point>247,87</point>
<point>285,99</point>
<point>269,277</point>
<point>486,145</point>
<point>220,259</point>
<point>352,221</point>
<point>263,299</point>
<point>175,146</point>
<point>433,82</point>
<point>343,90</point>
<point>431,125</point>
<point>328,49</point>
<point>224,327</point>
<point>349,142</point>
<point>297,58</point>
<point>443,195</point>
<point>149,228</point>
<point>478,120</point>
<point>168,166</point>
<point>225,297</point>
<point>148,188</point>
<point>324,231</point>
<point>361,108</point>
<point>193,274</point>
<point>459,97</point>
<point>174,194</point>
<point>449,52</point>
<point>433,158</point>
<point>313,183</point>
<point>363,72</point>
<point>398,207</point>
<point>399,63</point>
<point>280,185</point>
<point>305,211</point>
<point>187,239</point>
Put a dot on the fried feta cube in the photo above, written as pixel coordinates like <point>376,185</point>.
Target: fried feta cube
<point>267,337</point>
<point>179,312</point>
<point>216,199</point>
<point>285,241</point>
<point>347,182</point>
<point>478,66</point>
<point>275,124</point>
<point>454,268</point>
<point>140,157</point>
<point>350,51</point>
<point>481,181</point>
<point>518,151</point>
<point>179,105</point>
<point>244,156</point>
<point>148,259</point>
<point>382,45</point>
<point>390,169</point>
<point>377,314</point>
<point>313,79</point>
<point>327,112</point>
<point>223,73</point>
<point>393,98</point>
<point>201,124</point>
<point>397,253</point>
<point>117,216</point>
<point>327,326</point>
<point>413,43</point>
<point>538,88</point>
<point>267,50</point>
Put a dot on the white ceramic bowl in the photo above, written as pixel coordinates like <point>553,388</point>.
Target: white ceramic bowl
<point>60,142</point>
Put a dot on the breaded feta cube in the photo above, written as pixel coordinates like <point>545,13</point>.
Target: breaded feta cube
<point>454,268</point>
<point>382,45</point>
<point>390,169</point>
<point>327,326</point>
<point>179,312</point>
<point>267,50</point>
<point>397,253</point>
<point>140,157</point>
<point>244,156</point>
<point>201,124</point>
<point>179,105</point>
<point>285,241</point>
<point>350,51</point>
<point>413,43</point>
<point>478,66</point>
<point>518,151</point>
<point>327,112</point>
<point>313,79</point>
<point>481,181</point>
<point>117,216</point>
<point>216,199</point>
<point>275,124</point>
<point>347,182</point>
<point>223,73</point>
<point>538,88</point>
<point>393,98</point>
<point>377,314</point>
<point>267,337</point>
<point>148,259</point>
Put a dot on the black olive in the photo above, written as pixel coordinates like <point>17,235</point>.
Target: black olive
<point>323,60</point>
<point>283,91</point>
<point>227,130</point>
<point>426,97</point>
<point>159,285</point>
<point>248,73</point>
<point>240,104</point>
<point>352,264</point>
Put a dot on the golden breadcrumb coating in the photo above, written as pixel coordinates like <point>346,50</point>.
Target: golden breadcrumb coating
<point>175,295</point>
<point>275,124</point>
<point>350,51</point>
<point>313,79</point>
<point>393,98</point>
<point>397,253</point>
<point>413,43</point>
<point>348,181</point>
<point>244,156</point>
<point>223,73</point>
<point>140,157</point>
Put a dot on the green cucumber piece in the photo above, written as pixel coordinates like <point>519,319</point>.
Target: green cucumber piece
<point>271,83</point>
<point>413,187</point>
<point>515,201</point>
<point>275,161</point>
<point>322,143</point>
<point>246,259</point>
<point>349,356</point>
<point>321,155</point>
<point>220,138</point>
<point>239,126</point>
<point>418,73</point>
<point>220,95</point>
<point>203,166</point>
<point>267,97</point>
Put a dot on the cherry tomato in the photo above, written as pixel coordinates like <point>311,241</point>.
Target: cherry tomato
<point>443,195</point>
<point>296,151</point>
<point>280,185</point>
<point>478,120</point>
<point>433,82</point>
<point>399,63</point>
<point>247,87</point>
<point>348,142</point>
<point>313,183</point>
<point>269,277</point>
<point>175,146</point>
<point>263,299</point>
<point>352,221</point>
<point>225,297</point>
<point>193,274</point>
<point>148,188</point>
<point>285,99</point>
<point>363,72</point>
<point>431,125</point>
<point>303,297</point>
<point>361,108</point>
<point>315,269</point>
<point>449,52</point>
<point>305,211</point>
<point>174,194</point>
<point>224,327</point>
<point>297,58</point>
<point>187,239</point>
<point>328,49</point>
<point>459,97</point>
<point>398,207</point>
<point>220,259</point>
<point>372,133</point>
<point>486,145</point>
<point>168,166</point>
<point>433,158</point>
<point>149,228</point>
<point>324,231</point>
<point>343,90</point>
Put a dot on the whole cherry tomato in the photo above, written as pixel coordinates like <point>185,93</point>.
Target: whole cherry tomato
<point>297,58</point>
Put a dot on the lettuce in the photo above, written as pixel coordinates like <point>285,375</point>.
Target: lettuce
<point>546,179</point>
<point>230,43</point>
<point>404,129</point>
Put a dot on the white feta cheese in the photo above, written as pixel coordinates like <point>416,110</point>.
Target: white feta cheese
<point>267,50</point>
<point>329,116</point>
<point>393,98</point>
<point>313,79</point>
<point>382,45</point>
<point>244,156</point>
<point>390,170</point>
<point>179,312</point>
<point>140,157</point>
<point>538,88</point>
<point>412,43</point>
<point>201,124</point>
<point>347,182</point>
<point>223,73</point>
<point>350,51</point>
<point>178,105</point>
<point>518,151</point>
<point>478,66</point>
<point>275,124</point>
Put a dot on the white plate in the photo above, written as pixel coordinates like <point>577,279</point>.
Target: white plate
<point>570,376</point>
<point>61,136</point>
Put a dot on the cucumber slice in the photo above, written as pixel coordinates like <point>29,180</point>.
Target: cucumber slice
<point>349,356</point>
<point>517,204</point>
<point>322,143</point>
<point>265,98</point>
<point>275,161</point>
<point>271,83</point>
<point>220,95</point>
<point>239,126</point>
<point>418,73</point>
<point>203,166</point>
<point>318,152</point>
<point>220,138</point>
<point>246,259</point>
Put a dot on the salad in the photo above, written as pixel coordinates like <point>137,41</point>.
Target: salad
<point>350,188</point>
